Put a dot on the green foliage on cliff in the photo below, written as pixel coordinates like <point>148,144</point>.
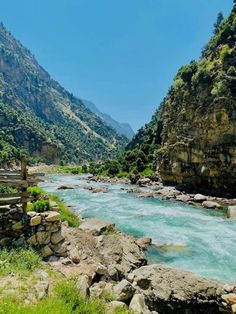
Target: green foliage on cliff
<point>40,118</point>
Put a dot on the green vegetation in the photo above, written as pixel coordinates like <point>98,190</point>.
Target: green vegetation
<point>41,202</point>
<point>39,206</point>
<point>41,119</point>
<point>66,214</point>
<point>7,189</point>
<point>64,300</point>
<point>22,261</point>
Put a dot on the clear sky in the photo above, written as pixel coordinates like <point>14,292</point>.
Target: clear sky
<point>120,54</point>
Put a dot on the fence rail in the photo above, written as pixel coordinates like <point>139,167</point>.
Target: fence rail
<point>21,180</point>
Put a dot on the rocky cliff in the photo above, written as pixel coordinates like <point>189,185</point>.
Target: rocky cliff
<point>39,116</point>
<point>199,118</point>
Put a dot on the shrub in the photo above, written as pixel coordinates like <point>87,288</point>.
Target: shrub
<point>7,189</point>
<point>40,206</point>
<point>36,192</point>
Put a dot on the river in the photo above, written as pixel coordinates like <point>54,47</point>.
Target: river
<point>199,240</point>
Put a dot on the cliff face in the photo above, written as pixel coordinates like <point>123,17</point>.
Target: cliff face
<point>199,119</point>
<point>39,116</point>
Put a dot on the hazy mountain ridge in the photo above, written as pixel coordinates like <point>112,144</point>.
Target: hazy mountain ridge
<point>51,123</point>
<point>122,128</point>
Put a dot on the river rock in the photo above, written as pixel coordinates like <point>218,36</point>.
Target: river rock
<point>231,212</point>
<point>137,305</point>
<point>211,205</point>
<point>96,226</point>
<point>65,187</point>
<point>144,243</point>
<point>144,181</point>
<point>199,198</point>
<point>170,290</point>
<point>124,290</point>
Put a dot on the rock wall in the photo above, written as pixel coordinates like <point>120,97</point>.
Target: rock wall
<point>42,231</point>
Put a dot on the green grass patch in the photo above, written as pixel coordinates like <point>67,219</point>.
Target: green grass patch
<point>147,172</point>
<point>69,169</point>
<point>36,191</point>
<point>22,261</point>
<point>66,214</point>
<point>39,206</point>
<point>65,300</point>
<point>7,189</point>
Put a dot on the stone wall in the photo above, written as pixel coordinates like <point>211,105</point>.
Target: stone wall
<point>42,231</point>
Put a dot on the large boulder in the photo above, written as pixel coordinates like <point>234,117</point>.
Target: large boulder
<point>172,291</point>
<point>97,226</point>
<point>124,291</point>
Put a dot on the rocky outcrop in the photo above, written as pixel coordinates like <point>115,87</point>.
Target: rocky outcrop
<point>199,119</point>
<point>169,290</point>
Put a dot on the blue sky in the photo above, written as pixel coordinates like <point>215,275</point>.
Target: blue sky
<point>120,54</point>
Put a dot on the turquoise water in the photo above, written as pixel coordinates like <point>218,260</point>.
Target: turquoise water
<point>206,240</point>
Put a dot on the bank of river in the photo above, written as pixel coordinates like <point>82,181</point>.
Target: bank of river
<point>194,239</point>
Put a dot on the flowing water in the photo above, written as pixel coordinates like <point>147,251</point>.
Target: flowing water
<point>189,238</point>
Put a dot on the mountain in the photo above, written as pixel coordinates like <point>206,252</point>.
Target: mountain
<point>121,128</point>
<point>39,117</point>
<point>196,123</point>
<point>191,138</point>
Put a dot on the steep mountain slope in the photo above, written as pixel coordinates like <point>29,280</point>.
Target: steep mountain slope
<point>199,118</point>
<point>196,123</point>
<point>121,128</point>
<point>41,117</point>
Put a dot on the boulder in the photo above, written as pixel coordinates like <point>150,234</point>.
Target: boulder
<point>144,181</point>
<point>83,285</point>
<point>231,212</point>
<point>65,187</point>
<point>137,305</point>
<point>96,226</point>
<point>53,216</point>
<point>199,198</point>
<point>75,255</point>
<point>170,290</point>
<point>35,220</point>
<point>211,205</point>
<point>124,290</point>
<point>57,237</point>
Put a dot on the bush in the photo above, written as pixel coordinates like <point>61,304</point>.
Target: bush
<point>39,206</point>
<point>7,189</point>
<point>36,192</point>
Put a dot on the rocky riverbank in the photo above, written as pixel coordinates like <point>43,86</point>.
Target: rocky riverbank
<point>148,188</point>
<point>104,260</point>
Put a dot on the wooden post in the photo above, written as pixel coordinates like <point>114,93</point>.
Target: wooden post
<point>24,177</point>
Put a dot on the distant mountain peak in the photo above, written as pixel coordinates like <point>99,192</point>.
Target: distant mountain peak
<point>121,128</point>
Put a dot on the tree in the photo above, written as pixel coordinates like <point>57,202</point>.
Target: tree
<point>219,20</point>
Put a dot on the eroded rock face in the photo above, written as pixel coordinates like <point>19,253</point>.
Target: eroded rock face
<point>169,290</point>
<point>199,120</point>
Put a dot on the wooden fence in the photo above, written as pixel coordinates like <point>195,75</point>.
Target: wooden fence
<point>21,180</point>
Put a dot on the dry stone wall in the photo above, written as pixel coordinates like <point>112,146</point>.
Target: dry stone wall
<point>42,231</point>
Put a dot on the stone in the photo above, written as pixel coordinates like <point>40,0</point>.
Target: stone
<point>5,241</point>
<point>96,226</point>
<point>100,269</point>
<point>117,304</point>
<point>144,243</point>
<point>53,216</point>
<point>17,226</point>
<point>183,198</point>
<point>57,237</point>
<point>46,251</point>
<point>199,198</point>
<point>65,187</point>
<point>211,205</point>
<point>42,288</point>
<point>35,220</point>
<point>124,290</point>
<point>113,272</point>
<point>43,237</point>
<point>31,214</point>
<point>60,249</point>
<point>231,212</point>
<point>229,298</point>
<point>233,308</point>
<point>167,290</point>
<point>137,305</point>
<point>144,181</point>
<point>83,284</point>
<point>32,240</point>
<point>75,255</point>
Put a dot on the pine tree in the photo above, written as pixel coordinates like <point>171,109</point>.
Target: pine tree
<point>220,18</point>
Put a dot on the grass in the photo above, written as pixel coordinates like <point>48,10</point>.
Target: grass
<point>39,206</point>
<point>64,300</point>
<point>66,214</point>
<point>23,261</point>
